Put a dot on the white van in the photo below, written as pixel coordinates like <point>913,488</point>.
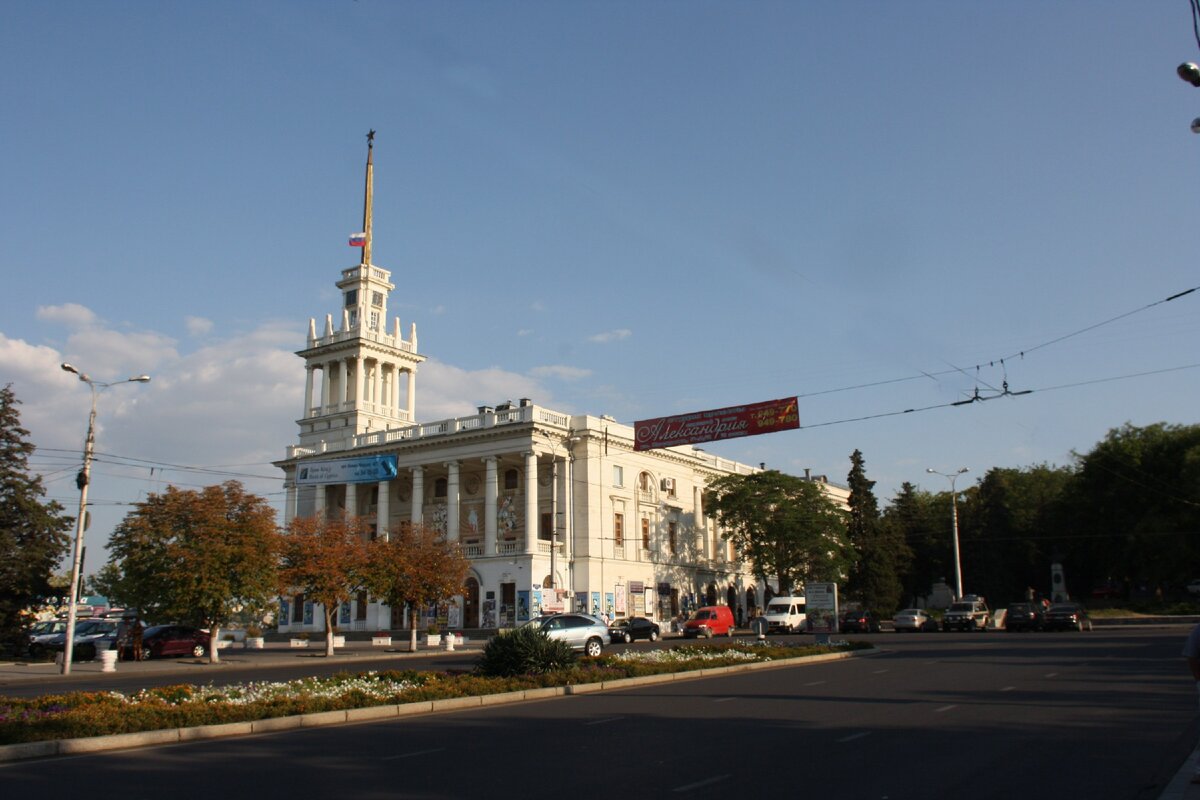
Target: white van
<point>786,614</point>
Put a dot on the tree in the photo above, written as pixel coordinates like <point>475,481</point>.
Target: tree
<point>325,560</point>
<point>874,579</point>
<point>785,526</point>
<point>198,556</point>
<point>34,535</point>
<point>914,521</point>
<point>415,566</point>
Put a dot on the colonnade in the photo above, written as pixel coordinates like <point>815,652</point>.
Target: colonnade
<point>361,381</point>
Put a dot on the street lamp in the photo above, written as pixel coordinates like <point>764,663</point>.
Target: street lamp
<point>953,476</point>
<point>81,480</point>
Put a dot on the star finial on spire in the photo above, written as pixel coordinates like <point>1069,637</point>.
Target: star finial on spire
<point>370,138</point>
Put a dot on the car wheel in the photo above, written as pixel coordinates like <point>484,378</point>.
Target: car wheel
<point>145,656</point>
<point>654,636</point>
<point>628,638</point>
<point>593,647</point>
<point>199,650</point>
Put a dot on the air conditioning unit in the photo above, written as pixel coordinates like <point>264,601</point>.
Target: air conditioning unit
<point>668,485</point>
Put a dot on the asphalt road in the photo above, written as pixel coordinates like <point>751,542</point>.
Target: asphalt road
<point>1105,716</point>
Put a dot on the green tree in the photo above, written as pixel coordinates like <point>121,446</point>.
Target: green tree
<point>785,526</point>
<point>874,579</point>
<point>1133,509</point>
<point>198,556</point>
<point>325,559</point>
<point>34,534</point>
<point>414,565</point>
<point>910,521</point>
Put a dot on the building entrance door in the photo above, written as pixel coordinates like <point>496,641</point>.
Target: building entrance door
<point>471,604</point>
<point>508,605</point>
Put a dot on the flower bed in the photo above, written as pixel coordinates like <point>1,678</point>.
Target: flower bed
<point>82,714</point>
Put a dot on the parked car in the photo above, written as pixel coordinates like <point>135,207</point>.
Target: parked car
<point>914,619</point>
<point>710,621</point>
<point>1023,617</point>
<point>968,614</point>
<point>40,632</point>
<point>1067,616</point>
<point>1193,586</point>
<point>581,631</point>
<point>627,630</point>
<point>859,622</point>
<point>83,647</point>
<point>159,641</point>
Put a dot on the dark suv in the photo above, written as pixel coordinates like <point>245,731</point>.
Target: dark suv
<point>1023,617</point>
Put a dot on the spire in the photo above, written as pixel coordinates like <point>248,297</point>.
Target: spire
<point>366,251</point>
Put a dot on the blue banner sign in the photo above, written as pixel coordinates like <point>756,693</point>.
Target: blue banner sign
<point>368,469</point>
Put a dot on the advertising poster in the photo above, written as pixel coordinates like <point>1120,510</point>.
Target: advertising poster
<point>535,603</point>
<point>717,424</point>
<point>609,608</point>
<point>489,613</point>
<point>285,610</point>
<point>522,606</point>
<point>822,607</point>
<point>594,608</point>
<point>622,594</point>
<point>368,469</point>
<point>308,612</point>
<point>581,603</point>
<point>344,613</point>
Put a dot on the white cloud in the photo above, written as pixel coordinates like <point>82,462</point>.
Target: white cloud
<point>525,332</point>
<point>561,372</point>
<point>72,315</point>
<point>198,326</point>
<point>611,336</point>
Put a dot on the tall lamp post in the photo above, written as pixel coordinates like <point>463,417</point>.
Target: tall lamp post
<point>81,480</point>
<point>953,476</point>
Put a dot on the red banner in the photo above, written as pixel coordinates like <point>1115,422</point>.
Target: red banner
<point>720,423</point>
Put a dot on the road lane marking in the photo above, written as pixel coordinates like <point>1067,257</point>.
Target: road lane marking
<point>724,699</point>
<point>604,721</point>
<point>881,671</point>
<point>414,754</point>
<point>944,708</point>
<point>698,784</point>
<point>853,736</point>
<point>1008,688</point>
<point>814,683</point>
<point>1050,675</point>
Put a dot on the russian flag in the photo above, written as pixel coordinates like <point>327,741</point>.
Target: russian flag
<point>358,239</point>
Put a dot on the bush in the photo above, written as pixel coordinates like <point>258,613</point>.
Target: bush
<point>523,651</point>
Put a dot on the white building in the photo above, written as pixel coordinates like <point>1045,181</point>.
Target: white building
<point>555,511</point>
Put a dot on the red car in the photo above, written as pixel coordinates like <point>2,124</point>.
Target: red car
<point>710,621</point>
<point>174,640</point>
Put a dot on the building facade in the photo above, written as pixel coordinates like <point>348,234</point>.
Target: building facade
<point>555,511</point>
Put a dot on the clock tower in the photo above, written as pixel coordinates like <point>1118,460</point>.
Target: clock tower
<point>367,375</point>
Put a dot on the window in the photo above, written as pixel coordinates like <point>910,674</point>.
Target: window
<point>645,482</point>
<point>352,298</point>
<point>373,321</point>
<point>671,536</point>
<point>298,608</point>
<point>439,487</point>
<point>377,299</point>
<point>619,530</point>
<point>645,533</point>
<point>618,476</point>
<point>545,530</point>
<point>511,479</point>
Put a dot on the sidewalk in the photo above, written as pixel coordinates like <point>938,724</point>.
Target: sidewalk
<point>274,653</point>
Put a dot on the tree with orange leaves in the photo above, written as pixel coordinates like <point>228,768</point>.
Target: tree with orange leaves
<point>324,558</point>
<point>415,565</point>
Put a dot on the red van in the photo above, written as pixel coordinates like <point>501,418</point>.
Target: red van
<point>710,621</point>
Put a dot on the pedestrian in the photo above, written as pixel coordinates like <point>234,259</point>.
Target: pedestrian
<point>1191,651</point>
<point>135,638</point>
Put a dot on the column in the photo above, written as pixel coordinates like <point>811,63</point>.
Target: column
<point>377,397</point>
<point>319,500</point>
<point>351,500</point>
<point>412,393</point>
<point>360,381</point>
<point>308,390</point>
<point>418,495</point>
<point>490,488</point>
<point>452,501</point>
<point>531,503</point>
<point>344,389</point>
<point>383,511</point>
<point>698,516</point>
<point>290,507</point>
<point>326,386</point>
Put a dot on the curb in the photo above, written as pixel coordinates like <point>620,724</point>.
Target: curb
<point>128,741</point>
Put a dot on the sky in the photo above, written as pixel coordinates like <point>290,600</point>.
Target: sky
<point>625,208</point>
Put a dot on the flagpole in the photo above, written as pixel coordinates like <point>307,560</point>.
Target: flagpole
<point>366,252</point>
